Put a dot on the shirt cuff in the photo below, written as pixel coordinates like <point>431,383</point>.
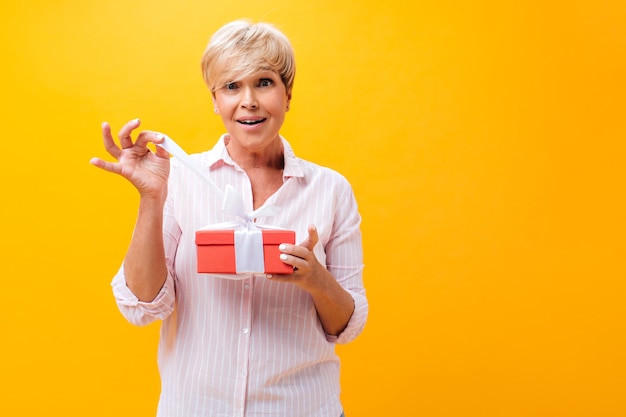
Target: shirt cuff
<point>140,312</point>
<point>355,324</point>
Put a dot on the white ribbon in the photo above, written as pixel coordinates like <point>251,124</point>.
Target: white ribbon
<point>248,236</point>
<point>249,251</point>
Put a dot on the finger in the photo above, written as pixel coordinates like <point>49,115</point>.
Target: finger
<point>311,239</point>
<point>147,136</point>
<point>109,143</point>
<point>281,277</point>
<point>298,251</point>
<point>157,138</point>
<point>125,132</point>
<point>299,264</point>
<point>107,166</point>
<point>162,153</point>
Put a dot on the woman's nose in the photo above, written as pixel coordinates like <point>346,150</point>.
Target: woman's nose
<point>248,99</point>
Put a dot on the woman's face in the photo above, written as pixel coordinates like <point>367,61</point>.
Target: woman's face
<point>253,109</point>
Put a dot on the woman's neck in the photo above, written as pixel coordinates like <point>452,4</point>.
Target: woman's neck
<point>270,157</point>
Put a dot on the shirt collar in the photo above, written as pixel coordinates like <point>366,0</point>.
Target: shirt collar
<point>294,166</point>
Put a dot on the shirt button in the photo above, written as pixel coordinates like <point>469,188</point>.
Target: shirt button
<point>246,286</point>
<point>246,330</point>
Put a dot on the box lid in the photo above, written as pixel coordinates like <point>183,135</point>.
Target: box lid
<point>227,237</point>
<point>215,237</point>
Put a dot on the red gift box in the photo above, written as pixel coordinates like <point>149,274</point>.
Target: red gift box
<point>216,251</point>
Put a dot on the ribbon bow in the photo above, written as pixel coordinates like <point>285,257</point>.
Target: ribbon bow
<point>248,235</point>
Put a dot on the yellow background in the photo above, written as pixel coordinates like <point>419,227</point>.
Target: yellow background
<point>484,141</point>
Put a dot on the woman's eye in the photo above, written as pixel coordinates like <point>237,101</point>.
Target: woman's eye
<point>265,82</point>
<point>231,86</point>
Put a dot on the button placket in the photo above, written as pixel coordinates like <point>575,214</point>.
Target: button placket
<point>243,351</point>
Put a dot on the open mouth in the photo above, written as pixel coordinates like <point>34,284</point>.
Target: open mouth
<point>251,122</point>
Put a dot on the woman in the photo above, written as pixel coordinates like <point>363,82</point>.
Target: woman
<point>260,344</point>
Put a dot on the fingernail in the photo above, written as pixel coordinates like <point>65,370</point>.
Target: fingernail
<point>104,124</point>
<point>136,120</point>
<point>268,276</point>
<point>283,257</point>
<point>282,246</point>
<point>159,136</point>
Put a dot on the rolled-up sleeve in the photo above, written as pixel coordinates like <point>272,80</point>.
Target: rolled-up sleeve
<point>344,259</point>
<point>138,312</point>
<point>141,313</point>
<point>357,321</point>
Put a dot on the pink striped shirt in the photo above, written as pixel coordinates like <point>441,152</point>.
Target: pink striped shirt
<point>250,346</point>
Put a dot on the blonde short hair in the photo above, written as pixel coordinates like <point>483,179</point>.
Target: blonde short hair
<point>241,48</point>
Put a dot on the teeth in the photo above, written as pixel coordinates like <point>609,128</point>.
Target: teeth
<point>250,122</point>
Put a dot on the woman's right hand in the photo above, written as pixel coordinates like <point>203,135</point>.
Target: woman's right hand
<point>146,170</point>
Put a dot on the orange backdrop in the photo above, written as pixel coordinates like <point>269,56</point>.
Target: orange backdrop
<point>484,141</point>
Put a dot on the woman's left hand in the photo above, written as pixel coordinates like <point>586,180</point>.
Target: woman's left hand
<point>308,273</point>
<point>334,304</point>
